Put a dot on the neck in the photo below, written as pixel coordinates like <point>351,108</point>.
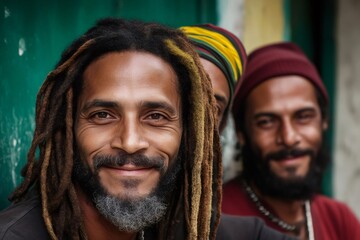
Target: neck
<point>96,226</point>
<point>290,212</point>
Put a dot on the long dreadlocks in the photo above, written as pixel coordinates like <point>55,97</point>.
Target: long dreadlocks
<point>195,207</point>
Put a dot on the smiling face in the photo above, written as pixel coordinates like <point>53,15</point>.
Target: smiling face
<point>284,125</point>
<point>220,87</point>
<point>128,124</point>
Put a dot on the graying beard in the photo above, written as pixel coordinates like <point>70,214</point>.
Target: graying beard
<point>131,215</point>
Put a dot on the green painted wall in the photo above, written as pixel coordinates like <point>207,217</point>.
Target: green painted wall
<point>32,36</point>
<point>312,26</point>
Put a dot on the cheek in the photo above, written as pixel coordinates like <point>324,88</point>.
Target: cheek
<point>313,136</point>
<point>263,142</point>
<point>169,144</point>
<point>90,140</point>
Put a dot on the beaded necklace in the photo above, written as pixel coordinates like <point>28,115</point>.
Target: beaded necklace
<point>286,226</point>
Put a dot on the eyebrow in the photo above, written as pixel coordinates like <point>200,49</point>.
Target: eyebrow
<point>99,103</point>
<point>148,104</point>
<point>160,105</point>
<point>221,99</point>
<point>311,109</point>
<point>264,114</point>
<point>272,114</point>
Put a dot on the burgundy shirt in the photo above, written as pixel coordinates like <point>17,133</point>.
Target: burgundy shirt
<point>332,219</point>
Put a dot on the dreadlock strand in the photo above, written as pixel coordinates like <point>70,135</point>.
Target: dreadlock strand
<point>56,170</point>
<point>66,166</point>
<point>59,219</point>
<point>213,158</point>
<point>64,179</point>
<point>205,213</point>
<point>63,88</point>
<point>207,169</point>
<point>42,101</point>
<point>77,225</point>
<point>218,180</point>
<point>199,122</point>
<point>43,188</point>
<point>186,195</point>
<point>214,181</point>
<point>73,57</point>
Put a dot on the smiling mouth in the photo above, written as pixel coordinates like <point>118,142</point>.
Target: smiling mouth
<point>290,159</point>
<point>128,167</point>
<point>130,170</point>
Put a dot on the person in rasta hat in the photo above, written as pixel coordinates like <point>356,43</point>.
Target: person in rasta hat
<point>126,145</point>
<point>223,57</point>
<point>281,115</point>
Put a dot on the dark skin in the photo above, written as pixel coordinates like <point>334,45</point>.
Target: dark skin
<point>220,87</point>
<point>130,102</point>
<point>283,113</point>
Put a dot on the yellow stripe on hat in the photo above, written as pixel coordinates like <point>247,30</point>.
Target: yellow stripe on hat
<point>220,44</point>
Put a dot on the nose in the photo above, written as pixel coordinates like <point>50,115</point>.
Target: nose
<point>288,134</point>
<point>129,136</point>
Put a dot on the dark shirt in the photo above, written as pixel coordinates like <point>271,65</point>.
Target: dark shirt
<point>246,228</point>
<point>24,221</point>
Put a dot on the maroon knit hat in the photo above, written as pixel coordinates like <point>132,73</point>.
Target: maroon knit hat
<point>274,60</point>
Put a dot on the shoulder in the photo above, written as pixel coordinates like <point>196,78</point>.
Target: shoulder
<point>329,206</point>
<point>335,217</point>
<point>232,184</point>
<point>234,188</point>
<point>23,221</point>
<point>236,227</point>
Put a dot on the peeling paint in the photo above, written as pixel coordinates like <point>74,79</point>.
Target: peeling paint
<point>22,46</point>
<point>6,12</point>
<point>16,144</point>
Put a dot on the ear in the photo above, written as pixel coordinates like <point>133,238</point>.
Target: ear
<point>325,125</point>
<point>240,137</point>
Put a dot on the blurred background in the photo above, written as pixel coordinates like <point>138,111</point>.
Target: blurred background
<point>34,33</point>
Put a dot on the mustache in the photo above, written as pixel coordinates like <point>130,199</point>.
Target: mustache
<point>288,153</point>
<point>138,160</point>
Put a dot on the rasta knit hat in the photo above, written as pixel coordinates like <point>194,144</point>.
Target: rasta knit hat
<point>274,60</point>
<point>220,47</point>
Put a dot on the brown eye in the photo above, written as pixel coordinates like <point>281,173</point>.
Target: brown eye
<point>305,116</point>
<point>265,123</point>
<point>156,116</point>
<point>156,119</point>
<point>101,115</point>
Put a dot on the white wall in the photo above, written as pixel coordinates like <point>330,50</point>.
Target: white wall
<point>230,18</point>
<point>347,128</point>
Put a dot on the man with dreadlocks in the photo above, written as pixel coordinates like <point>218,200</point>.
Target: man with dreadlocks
<point>223,57</point>
<point>125,145</point>
<point>280,114</point>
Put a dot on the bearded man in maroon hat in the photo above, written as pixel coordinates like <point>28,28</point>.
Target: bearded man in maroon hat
<point>281,115</point>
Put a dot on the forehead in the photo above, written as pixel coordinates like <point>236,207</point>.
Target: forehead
<point>283,93</point>
<point>131,75</point>
<point>217,77</point>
